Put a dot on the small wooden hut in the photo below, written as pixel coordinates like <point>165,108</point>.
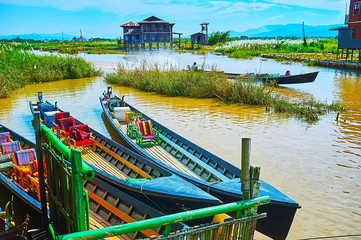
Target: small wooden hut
<point>202,36</point>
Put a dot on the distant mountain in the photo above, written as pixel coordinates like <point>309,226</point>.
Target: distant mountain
<point>288,30</point>
<point>37,36</point>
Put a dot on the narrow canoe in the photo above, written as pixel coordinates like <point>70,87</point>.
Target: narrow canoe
<point>122,168</point>
<point>114,207</point>
<point>292,79</point>
<point>208,171</point>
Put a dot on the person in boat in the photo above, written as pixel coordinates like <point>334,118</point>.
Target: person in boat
<point>194,67</point>
<point>122,102</point>
<point>56,106</point>
<point>288,73</point>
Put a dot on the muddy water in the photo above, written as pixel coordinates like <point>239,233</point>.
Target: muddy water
<point>318,165</point>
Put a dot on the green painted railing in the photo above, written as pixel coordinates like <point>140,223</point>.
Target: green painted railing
<point>67,199</point>
<point>166,220</point>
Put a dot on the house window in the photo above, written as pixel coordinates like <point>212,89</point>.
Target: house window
<point>356,10</point>
<point>354,33</point>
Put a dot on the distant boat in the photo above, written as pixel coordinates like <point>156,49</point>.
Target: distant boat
<point>277,79</point>
<point>201,167</point>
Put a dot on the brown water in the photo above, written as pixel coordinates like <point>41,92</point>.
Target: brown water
<point>317,165</point>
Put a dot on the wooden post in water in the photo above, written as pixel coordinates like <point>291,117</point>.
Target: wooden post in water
<point>245,168</point>
<point>40,157</point>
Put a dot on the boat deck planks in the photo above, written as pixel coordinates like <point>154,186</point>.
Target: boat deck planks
<point>161,154</point>
<point>99,162</point>
<point>96,222</point>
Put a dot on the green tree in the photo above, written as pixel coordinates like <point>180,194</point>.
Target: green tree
<point>218,37</point>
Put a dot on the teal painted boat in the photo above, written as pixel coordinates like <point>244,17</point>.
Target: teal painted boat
<point>195,164</point>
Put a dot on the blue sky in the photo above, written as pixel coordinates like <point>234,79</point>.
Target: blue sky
<point>103,17</point>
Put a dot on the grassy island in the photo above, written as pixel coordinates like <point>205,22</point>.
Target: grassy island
<point>18,68</point>
<point>174,82</point>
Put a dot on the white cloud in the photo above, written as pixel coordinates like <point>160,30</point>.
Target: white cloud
<point>315,4</point>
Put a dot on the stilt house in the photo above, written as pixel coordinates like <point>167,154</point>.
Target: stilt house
<point>150,30</point>
<point>349,36</point>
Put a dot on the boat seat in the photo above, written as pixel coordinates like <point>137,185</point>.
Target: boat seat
<point>81,136</point>
<point>60,115</point>
<point>65,125</point>
<point>56,123</point>
<point>25,166</point>
<point>4,137</point>
<point>10,147</point>
<point>146,135</point>
<point>132,124</point>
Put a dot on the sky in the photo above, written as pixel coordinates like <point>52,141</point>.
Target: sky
<point>102,18</point>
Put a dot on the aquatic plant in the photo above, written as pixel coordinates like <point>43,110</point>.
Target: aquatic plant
<point>171,81</point>
<point>19,67</point>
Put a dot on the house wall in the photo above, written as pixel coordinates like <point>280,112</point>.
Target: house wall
<point>354,19</point>
<point>345,41</point>
<point>156,32</point>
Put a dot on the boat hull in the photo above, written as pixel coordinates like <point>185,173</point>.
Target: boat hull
<point>165,188</point>
<point>281,210</point>
<point>108,207</point>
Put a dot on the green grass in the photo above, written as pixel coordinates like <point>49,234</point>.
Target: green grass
<point>18,68</point>
<point>173,82</point>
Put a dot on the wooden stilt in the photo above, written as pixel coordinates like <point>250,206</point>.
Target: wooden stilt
<point>157,46</point>
<point>346,54</point>
<point>337,54</point>
<point>150,46</point>
<point>342,54</point>
<point>351,55</point>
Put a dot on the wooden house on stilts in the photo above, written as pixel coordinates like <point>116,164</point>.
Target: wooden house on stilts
<point>150,30</point>
<point>349,36</point>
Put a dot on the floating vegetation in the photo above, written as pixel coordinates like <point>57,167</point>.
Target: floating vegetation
<point>19,67</point>
<point>171,81</point>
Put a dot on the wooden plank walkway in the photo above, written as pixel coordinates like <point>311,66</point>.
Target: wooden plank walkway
<point>162,155</point>
<point>99,162</point>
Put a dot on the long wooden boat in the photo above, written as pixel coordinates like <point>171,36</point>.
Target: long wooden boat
<point>277,79</point>
<point>204,169</point>
<point>108,205</point>
<point>137,175</point>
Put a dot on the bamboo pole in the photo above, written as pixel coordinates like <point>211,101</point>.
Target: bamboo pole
<point>245,168</point>
<point>40,156</point>
<point>165,220</point>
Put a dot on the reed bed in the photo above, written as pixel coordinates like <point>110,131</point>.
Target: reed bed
<point>171,81</point>
<point>18,68</point>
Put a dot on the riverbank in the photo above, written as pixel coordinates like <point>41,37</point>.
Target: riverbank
<point>18,68</point>
<point>214,84</point>
<point>310,60</point>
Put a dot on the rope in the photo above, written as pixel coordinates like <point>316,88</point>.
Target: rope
<point>141,189</point>
<point>209,186</point>
<point>339,236</point>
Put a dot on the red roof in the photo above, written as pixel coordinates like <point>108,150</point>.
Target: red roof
<point>129,24</point>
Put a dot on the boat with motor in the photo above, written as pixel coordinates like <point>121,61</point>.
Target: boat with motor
<point>168,149</point>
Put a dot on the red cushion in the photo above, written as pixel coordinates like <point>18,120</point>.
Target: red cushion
<point>60,115</point>
<point>67,123</point>
<point>84,142</point>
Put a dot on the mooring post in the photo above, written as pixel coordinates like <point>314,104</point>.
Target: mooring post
<point>245,168</point>
<point>40,157</point>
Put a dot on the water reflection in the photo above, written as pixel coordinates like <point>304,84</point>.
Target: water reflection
<point>317,165</point>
